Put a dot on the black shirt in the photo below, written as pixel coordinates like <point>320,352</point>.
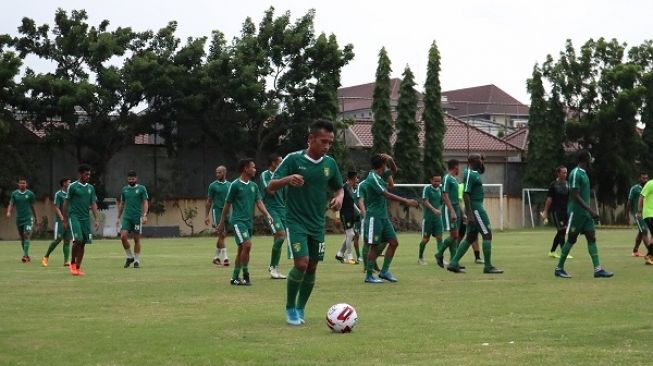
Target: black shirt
<point>559,193</point>
<point>347,208</point>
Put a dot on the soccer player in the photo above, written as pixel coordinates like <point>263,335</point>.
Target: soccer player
<point>307,174</point>
<point>242,196</point>
<point>81,196</point>
<point>275,203</point>
<point>631,208</point>
<point>452,215</point>
<point>463,227</point>
<point>214,204</point>
<point>645,211</point>
<point>555,208</point>
<point>26,217</point>
<point>581,218</point>
<point>477,219</point>
<point>377,227</point>
<point>349,217</point>
<point>132,207</point>
<point>59,232</point>
<point>432,216</point>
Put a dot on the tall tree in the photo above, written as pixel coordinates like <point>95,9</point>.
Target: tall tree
<point>539,166</point>
<point>407,153</point>
<point>433,117</point>
<point>382,126</point>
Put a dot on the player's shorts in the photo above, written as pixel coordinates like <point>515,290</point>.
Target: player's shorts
<point>81,230</point>
<point>25,226</point>
<point>278,222</point>
<point>242,232</point>
<point>432,227</point>
<point>580,224</point>
<point>377,231</point>
<point>216,214</point>
<point>448,224</point>
<point>60,233</point>
<point>357,226</point>
<point>642,227</point>
<point>558,219</point>
<point>347,221</point>
<point>131,225</point>
<point>481,222</point>
<point>302,243</point>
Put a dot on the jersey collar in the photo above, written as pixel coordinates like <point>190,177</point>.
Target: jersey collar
<point>243,182</point>
<point>313,160</point>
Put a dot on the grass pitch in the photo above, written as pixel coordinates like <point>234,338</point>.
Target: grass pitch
<point>180,310</point>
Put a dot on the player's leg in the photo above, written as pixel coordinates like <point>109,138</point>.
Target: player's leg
<point>426,236</point>
<point>593,249</point>
<point>648,222</point>
<point>27,235</point>
<point>316,247</point>
<point>298,239</point>
<point>477,253</point>
<point>572,233</point>
<point>470,237</point>
<point>126,227</point>
<point>388,235</point>
<point>642,236</point>
<point>372,239</point>
<point>340,255</point>
<point>357,232</point>
<point>278,228</point>
<point>244,261</point>
<point>85,229</point>
<point>235,275</point>
<point>58,236</point>
<point>137,248</point>
<point>241,234</point>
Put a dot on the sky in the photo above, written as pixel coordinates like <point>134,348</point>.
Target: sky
<point>480,42</point>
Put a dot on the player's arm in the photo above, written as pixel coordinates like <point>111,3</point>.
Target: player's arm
<point>575,194</point>
<point>207,210</point>
<point>223,217</point>
<point>58,212</point>
<point>64,214</point>
<point>627,210</point>
<point>468,208</point>
<point>11,204</point>
<point>96,215</point>
<point>264,211</point>
<point>121,207</point>
<point>336,201</point>
<point>294,180</point>
<point>394,197</point>
<point>447,202</point>
<point>36,218</point>
<point>547,206</point>
<point>145,208</point>
<point>361,205</point>
<point>390,163</point>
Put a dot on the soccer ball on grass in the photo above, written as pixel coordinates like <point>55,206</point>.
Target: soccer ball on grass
<point>341,318</point>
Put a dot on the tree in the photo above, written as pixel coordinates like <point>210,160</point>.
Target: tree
<point>382,125</point>
<point>539,166</point>
<point>407,153</point>
<point>433,117</point>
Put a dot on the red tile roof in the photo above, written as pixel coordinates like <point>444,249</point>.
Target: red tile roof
<point>484,100</point>
<point>518,138</point>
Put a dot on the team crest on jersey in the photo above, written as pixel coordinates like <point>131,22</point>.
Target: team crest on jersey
<point>327,170</point>
<point>296,247</point>
<point>252,188</point>
<point>89,190</point>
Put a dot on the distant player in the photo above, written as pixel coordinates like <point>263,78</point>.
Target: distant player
<point>132,207</point>
<point>452,216</point>
<point>81,196</point>
<point>477,218</point>
<point>432,216</point>
<point>645,212</point>
<point>26,218</point>
<point>275,203</point>
<point>581,218</point>
<point>59,232</point>
<point>242,196</point>
<point>214,204</point>
<point>631,208</point>
<point>349,217</point>
<point>308,174</point>
<point>377,227</point>
<point>555,209</point>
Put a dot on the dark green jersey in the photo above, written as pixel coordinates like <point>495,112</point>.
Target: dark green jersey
<point>218,193</point>
<point>450,188</point>
<point>132,199</point>
<point>578,180</point>
<point>432,195</point>
<point>633,197</point>
<point>243,196</point>
<point>23,202</point>
<point>307,204</point>
<point>80,197</point>
<point>59,197</point>
<point>473,186</point>
<point>376,204</point>
<point>276,201</point>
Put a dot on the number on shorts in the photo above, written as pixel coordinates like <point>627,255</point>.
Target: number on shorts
<point>321,248</point>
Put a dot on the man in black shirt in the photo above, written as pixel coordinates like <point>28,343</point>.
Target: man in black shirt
<point>555,208</point>
<point>350,220</point>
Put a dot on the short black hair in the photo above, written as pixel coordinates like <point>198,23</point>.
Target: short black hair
<point>352,174</point>
<point>131,173</point>
<point>377,161</point>
<point>559,168</point>
<point>83,168</point>
<point>63,180</point>
<point>452,163</point>
<point>474,157</point>
<point>584,156</point>
<point>21,177</point>
<point>643,173</point>
<point>321,124</point>
<point>272,158</point>
<point>244,163</point>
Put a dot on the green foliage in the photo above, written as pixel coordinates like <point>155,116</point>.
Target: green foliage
<point>382,127</point>
<point>433,117</point>
<point>407,153</point>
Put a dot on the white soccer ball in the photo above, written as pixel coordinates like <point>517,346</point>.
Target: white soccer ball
<point>341,318</point>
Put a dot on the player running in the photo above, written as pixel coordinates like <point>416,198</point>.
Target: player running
<point>275,203</point>
<point>59,232</point>
<point>26,218</point>
<point>132,207</point>
<point>214,204</point>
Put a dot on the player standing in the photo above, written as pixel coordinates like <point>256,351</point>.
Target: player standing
<point>59,232</point>
<point>349,217</point>
<point>645,212</point>
<point>214,204</point>
<point>26,218</point>
<point>132,207</point>
<point>631,208</point>
<point>275,203</point>
<point>432,216</point>
<point>555,209</point>
<point>452,215</point>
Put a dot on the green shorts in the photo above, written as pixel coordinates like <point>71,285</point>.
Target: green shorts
<point>25,226</point>
<point>580,224</point>
<point>81,230</point>
<point>450,225</point>
<point>377,231</point>
<point>242,232</point>
<point>481,222</point>
<point>216,215</point>
<point>302,243</point>
<point>432,227</point>
<point>131,225</point>
<point>641,225</point>
<point>278,222</point>
<point>60,233</point>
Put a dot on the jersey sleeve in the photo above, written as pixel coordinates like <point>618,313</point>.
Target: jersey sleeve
<point>232,193</point>
<point>574,182</point>
<point>335,182</point>
<point>146,196</point>
<point>470,181</point>
<point>93,196</point>
<point>285,168</point>
<point>259,194</point>
<point>425,193</point>
<point>209,195</point>
<point>70,193</point>
<point>11,199</point>
<point>122,195</point>
<point>375,185</point>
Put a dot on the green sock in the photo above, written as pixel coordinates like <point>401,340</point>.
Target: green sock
<point>442,245</point>
<point>66,251</point>
<point>276,251</point>
<point>245,269</point>
<point>26,248</point>
<point>460,252</point>
<point>369,266</point>
<point>422,246</point>
<point>294,281</point>
<point>236,272</point>
<point>305,290</point>
<point>366,252</point>
<point>487,253</point>
<point>53,245</point>
<point>594,253</point>
<point>563,254</point>
<point>386,263</point>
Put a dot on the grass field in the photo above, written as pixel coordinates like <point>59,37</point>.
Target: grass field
<point>180,310</point>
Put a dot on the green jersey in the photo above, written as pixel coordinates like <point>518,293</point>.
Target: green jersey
<point>59,197</point>
<point>376,204</point>
<point>276,201</point>
<point>450,188</point>
<point>242,196</point>
<point>647,194</point>
<point>578,180</point>
<point>132,199</point>
<point>633,197</point>
<point>23,202</point>
<point>473,186</point>
<point>307,204</point>
<point>432,195</point>
<point>218,193</point>
<point>80,197</point>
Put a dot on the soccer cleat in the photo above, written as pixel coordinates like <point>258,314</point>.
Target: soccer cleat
<point>300,315</point>
<point>637,254</point>
<point>23,259</point>
<point>421,262</point>
<point>225,262</point>
<point>79,273</point>
<point>602,273</point>
<point>439,260</point>
<point>137,264</point>
<point>461,266</point>
<point>455,269</point>
<point>292,318</point>
<point>245,281</point>
<point>274,274</point>
<point>492,270</point>
<point>386,275</point>
<point>648,260</point>
<point>128,262</point>
<point>359,260</point>
<point>559,272</point>
<point>44,261</point>
<point>234,281</point>
<point>553,255</point>
<point>340,258</point>
<point>29,259</point>
<point>66,264</point>
<point>72,268</point>
<point>372,279</point>
<point>350,261</point>
<point>216,261</point>
<point>479,261</point>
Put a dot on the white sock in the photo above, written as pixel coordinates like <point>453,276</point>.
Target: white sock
<point>224,253</point>
<point>137,257</point>
<point>349,241</point>
<point>128,253</point>
<point>217,253</point>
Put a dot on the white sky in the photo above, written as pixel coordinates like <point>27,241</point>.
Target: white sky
<point>481,42</point>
